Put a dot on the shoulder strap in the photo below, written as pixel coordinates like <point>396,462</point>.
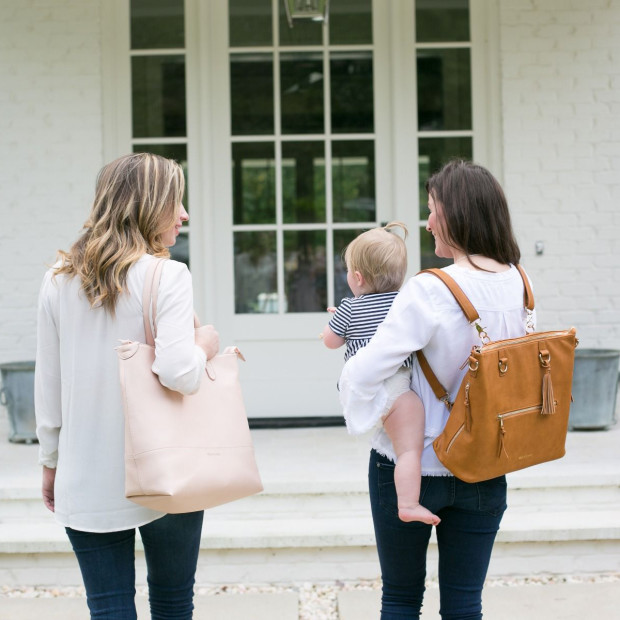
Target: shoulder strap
<point>466,306</point>
<point>440,392</point>
<point>149,299</point>
<point>528,295</point>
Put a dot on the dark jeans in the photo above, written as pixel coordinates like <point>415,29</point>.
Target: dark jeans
<point>171,546</point>
<point>470,517</point>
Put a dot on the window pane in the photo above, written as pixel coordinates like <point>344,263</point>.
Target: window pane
<point>441,20</point>
<point>251,94</point>
<point>304,270</point>
<point>342,238</point>
<point>158,96</point>
<point>428,258</point>
<point>353,181</point>
<point>350,21</point>
<point>303,32</point>
<point>157,24</point>
<point>303,182</point>
<point>301,77</point>
<point>433,154</point>
<point>256,282</point>
<point>249,23</point>
<point>254,183</point>
<point>352,92</point>
<point>444,89</point>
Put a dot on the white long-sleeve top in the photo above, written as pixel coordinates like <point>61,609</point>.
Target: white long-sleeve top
<point>80,423</point>
<point>426,316</point>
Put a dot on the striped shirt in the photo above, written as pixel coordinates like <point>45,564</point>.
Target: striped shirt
<point>357,319</point>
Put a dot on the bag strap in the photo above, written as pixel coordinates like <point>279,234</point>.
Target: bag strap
<point>466,306</point>
<point>472,315</point>
<point>528,295</point>
<point>149,299</point>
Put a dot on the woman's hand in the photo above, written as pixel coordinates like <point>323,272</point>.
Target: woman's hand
<point>208,340</point>
<point>47,487</point>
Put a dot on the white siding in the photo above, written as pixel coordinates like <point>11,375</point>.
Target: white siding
<point>50,148</point>
<point>560,62</point>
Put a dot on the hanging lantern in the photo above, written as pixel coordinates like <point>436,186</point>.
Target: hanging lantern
<point>316,10</point>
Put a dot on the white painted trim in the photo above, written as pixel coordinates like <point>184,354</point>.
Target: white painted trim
<point>215,142</point>
<point>115,79</point>
<point>404,160</point>
<point>486,86</point>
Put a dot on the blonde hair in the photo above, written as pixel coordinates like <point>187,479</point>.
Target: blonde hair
<point>137,198</point>
<point>380,256</point>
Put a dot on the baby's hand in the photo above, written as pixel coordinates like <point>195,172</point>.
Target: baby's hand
<point>331,309</point>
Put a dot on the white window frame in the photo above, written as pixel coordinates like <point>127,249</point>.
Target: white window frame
<point>209,139</point>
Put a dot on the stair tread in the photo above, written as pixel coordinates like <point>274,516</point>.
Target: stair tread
<point>341,531</point>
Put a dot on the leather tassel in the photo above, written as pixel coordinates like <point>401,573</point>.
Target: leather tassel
<point>501,448</point>
<point>548,401</point>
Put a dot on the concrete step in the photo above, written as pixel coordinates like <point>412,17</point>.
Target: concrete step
<point>330,548</point>
<point>313,521</point>
<point>525,493</point>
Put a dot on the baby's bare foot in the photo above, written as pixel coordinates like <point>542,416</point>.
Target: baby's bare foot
<point>417,513</point>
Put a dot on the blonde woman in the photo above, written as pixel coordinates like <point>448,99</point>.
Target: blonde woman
<point>376,267</point>
<point>89,300</point>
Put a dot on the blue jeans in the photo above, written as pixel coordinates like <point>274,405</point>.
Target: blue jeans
<point>470,517</point>
<point>171,546</point>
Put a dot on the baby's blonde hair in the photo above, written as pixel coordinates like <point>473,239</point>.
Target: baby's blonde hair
<point>380,256</point>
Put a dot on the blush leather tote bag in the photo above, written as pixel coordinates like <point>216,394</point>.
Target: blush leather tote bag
<point>183,453</point>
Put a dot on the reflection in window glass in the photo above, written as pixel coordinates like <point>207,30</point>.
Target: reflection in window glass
<point>441,20</point>
<point>301,78</point>
<point>157,24</point>
<point>350,22</point>
<point>352,92</point>
<point>353,181</point>
<point>304,270</point>
<point>256,282</point>
<point>251,94</point>
<point>303,182</point>
<point>158,96</point>
<point>432,155</point>
<point>303,32</point>
<point>444,89</point>
<point>249,22</point>
<point>428,258</point>
<point>254,183</point>
<point>342,238</point>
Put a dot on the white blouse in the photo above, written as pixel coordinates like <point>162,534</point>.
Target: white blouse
<point>78,408</point>
<point>426,316</point>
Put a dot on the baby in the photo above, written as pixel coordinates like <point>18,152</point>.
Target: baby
<point>376,266</point>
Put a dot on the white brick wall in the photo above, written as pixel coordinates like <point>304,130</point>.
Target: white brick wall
<point>560,63</point>
<point>50,147</point>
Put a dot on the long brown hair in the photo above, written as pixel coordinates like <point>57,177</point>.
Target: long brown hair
<point>137,198</point>
<point>475,213</point>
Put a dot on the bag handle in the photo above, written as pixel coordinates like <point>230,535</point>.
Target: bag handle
<point>149,299</point>
<point>472,315</point>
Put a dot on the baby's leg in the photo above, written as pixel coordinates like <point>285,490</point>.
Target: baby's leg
<point>404,425</point>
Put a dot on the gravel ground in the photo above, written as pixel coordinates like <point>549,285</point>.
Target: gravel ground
<point>316,601</point>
